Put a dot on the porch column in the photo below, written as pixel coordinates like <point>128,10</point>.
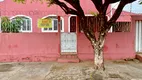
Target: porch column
<point>59,34</point>
<point>77,31</point>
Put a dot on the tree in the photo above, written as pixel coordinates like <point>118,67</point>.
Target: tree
<point>140,1</point>
<point>105,25</point>
<point>13,26</point>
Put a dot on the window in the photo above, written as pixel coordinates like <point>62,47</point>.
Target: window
<point>121,27</point>
<point>94,21</point>
<point>26,25</point>
<point>91,21</point>
<point>73,24</point>
<point>54,25</point>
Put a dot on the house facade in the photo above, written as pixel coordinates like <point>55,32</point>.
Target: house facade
<point>50,44</point>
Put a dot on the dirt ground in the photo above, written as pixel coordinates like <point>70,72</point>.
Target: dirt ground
<point>115,70</point>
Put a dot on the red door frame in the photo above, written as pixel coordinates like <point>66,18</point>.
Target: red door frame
<point>59,35</point>
<point>77,31</point>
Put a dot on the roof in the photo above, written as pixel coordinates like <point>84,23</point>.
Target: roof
<point>125,16</point>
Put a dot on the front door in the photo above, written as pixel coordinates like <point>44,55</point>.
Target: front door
<point>138,45</point>
<point>68,43</point>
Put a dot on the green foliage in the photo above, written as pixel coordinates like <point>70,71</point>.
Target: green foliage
<point>19,1</point>
<point>140,2</point>
<point>23,1</point>
<point>8,26</point>
<point>49,2</point>
<point>94,13</point>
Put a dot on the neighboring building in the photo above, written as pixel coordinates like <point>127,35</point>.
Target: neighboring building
<point>47,44</point>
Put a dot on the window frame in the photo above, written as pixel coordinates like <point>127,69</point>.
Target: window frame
<point>70,23</point>
<point>85,15</point>
<point>121,23</point>
<point>26,22</point>
<point>42,29</point>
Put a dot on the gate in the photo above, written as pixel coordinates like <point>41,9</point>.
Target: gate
<point>68,43</point>
<point>138,45</point>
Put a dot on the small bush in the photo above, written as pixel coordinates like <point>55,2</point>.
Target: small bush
<point>11,26</point>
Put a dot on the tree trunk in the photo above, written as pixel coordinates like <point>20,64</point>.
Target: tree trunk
<point>97,44</point>
<point>98,57</point>
<point>98,53</point>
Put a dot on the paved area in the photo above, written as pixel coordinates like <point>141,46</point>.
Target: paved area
<point>115,70</point>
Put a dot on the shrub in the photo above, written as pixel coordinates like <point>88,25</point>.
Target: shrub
<point>11,26</point>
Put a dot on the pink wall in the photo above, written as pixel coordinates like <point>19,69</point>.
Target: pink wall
<point>45,47</point>
<point>117,46</point>
<point>28,46</point>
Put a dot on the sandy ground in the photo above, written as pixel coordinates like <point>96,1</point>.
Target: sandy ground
<point>115,70</point>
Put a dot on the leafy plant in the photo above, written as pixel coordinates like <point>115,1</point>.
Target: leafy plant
<point>8,26</point>
<point>141,2</point>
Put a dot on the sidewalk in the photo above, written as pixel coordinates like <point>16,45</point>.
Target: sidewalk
<point>115,70</point>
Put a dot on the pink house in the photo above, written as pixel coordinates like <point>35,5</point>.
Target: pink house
<point>49,44</point>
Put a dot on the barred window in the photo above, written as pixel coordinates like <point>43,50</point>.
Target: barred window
<point>73,24</point>
<point>26,25</point>
<point>91,21</point>
<point>121,27</point>
<point>54,25</point>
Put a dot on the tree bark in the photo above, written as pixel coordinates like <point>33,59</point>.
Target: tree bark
<point>98,54</point>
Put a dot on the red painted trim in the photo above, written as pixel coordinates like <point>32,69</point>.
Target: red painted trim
<point>77,31</point>
<point>59,34</point>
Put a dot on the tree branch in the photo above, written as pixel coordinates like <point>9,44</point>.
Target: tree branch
<point>98,4</point>
<point>111,1</point>
<point>105,6</point>
<point>119,10</point>
<point>66,9</point>
<point>76,4</point>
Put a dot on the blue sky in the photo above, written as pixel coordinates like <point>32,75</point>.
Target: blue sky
<point>133,7</point>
